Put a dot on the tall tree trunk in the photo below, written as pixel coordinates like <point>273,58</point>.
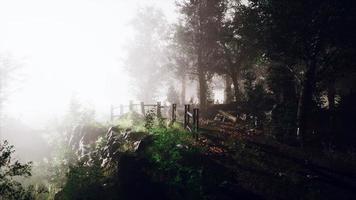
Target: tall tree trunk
<point>184,86</point>
<point>235,83</point>
<point>228,94</point>
<point>305,100</point>
<point>202,89</point>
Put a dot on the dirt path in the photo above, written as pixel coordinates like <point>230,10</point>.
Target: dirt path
<point>278,171</point>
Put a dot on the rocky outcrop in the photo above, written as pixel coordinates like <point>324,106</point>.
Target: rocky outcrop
<point>120,141</point>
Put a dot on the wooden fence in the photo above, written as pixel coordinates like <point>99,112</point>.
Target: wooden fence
<point>191,125</point>
<point>132,106</point>
<point>194,126</point>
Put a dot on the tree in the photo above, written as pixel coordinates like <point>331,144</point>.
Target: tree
<point>78,114</point>
<point>283,83</point>
<point>239,45</point>
<point>336,74</point>
<point>9,169</point>
<point>145,59</point>
<point>201,21</point>
<point>172,95</point>
<point>7,68</point>
<point>181,57</point>
<point>300,36</point>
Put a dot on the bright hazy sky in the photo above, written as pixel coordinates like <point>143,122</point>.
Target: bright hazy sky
<point>68,47</point>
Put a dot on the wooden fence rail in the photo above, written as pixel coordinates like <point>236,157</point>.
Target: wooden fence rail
<point>191,125</point>
<point>132,106</point>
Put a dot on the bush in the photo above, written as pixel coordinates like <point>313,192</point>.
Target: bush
<point>174,157</point>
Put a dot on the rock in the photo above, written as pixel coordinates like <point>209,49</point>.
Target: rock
<point>59,195</point>
<point>145,142</point>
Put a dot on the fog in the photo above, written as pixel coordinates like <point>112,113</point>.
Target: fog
<point>68,48</point>
<point>177,99</point>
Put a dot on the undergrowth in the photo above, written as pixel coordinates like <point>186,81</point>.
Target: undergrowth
<point>175,161</point>
<point>172,157</point>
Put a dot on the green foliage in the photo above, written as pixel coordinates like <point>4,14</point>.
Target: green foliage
<point>131,120</point>
<point>83,182</point>
<point>175,161</point>
<point>150,120</point>
<point>93,175</point>
<point>49,175</point>
<point>89,177</point>
<point>10,189</point>
<point>283,84</point>
<point>171,155</point>
<point>68,138</point>
<point>257,101</point>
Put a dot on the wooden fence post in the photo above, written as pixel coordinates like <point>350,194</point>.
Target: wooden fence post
<point>121,109</point>
<point>196,120</point>
<point>143,108</point>
<point>159,115</point>
<point>188,116</point>
<point>185,116</point>
<point>131,106</point>
<point>174,109</point>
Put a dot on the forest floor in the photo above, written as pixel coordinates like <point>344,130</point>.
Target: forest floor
<point>271,170</point>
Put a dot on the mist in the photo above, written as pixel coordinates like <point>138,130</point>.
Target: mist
<point>177,99</point>
<point>68,48</point>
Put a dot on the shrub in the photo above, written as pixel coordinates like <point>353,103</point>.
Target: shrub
<point>174,157</point>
